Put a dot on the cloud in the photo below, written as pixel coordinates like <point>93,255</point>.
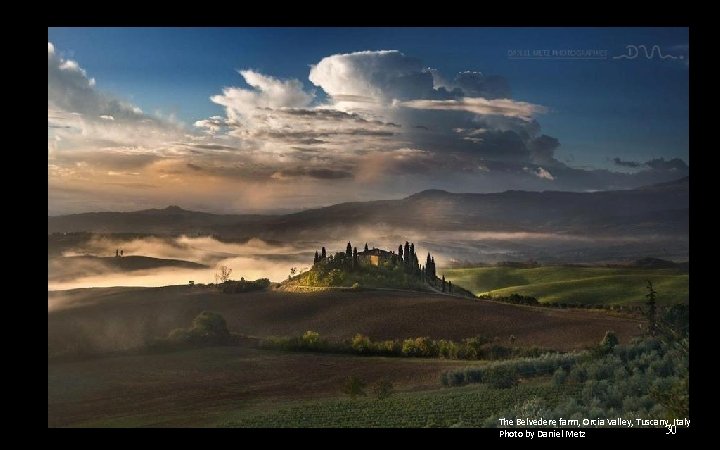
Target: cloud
<point>371,76</point>
<point>479,106</point>
<point>540,173</point>
<point>620,162</point>
<point>319,173</point>
<point>675,164</point>
<point>71,90</point>
<point>542,150</point>
<point>267,92</point>
<point>82,118</point>
<point>388,126</point>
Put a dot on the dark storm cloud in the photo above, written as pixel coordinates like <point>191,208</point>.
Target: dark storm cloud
<point>620,162</point>
<point>318,173</point>
<point>475,84</point>
<point>542,150</point>
<point>675,164</point>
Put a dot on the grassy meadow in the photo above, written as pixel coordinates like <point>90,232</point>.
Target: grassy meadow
<point>575,285</point>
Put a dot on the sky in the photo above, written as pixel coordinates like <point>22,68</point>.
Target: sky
<point>282,119</point>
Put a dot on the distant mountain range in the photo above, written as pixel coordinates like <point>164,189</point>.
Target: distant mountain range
<point>657,209</point>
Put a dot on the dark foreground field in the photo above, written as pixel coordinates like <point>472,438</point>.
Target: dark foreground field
<point>100,320</point>
<point>89,385</point>
<point>206,387</point>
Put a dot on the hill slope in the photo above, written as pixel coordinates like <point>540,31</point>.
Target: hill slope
<point>568,284</point>
<point>79,318</point>
<point>68,268</point>
<point>656,209</point>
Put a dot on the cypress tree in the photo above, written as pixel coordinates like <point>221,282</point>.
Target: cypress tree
<point>652,312</point>
<point>323,255</point>
<point>355,258</point>
<point>400,252</point>
<point>443,283</point>
<point>317,257</point>
<point>366,247</point>
<point>407,253</point>
<point>348,250</point>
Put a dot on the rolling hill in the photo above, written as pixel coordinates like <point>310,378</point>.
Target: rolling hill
<point>576,285</point>
<point>80,318</point>
<point>68,268</point>
<point>655,209</point>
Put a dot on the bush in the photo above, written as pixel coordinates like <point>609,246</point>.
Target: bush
<point>311,338</point>
<point>419,347</point>
<point>498,352</point>
<point>382,389</point>
<point>609,342</point>
<point>361,344</point>
<point>559,377</point>
<point>210,327</point>
<point>501,377</point>
<point>644,379</point>
<point>236,287</point>
<point>447,349</point>
<point>546,364</point>
<point>578,374</point>
<point>354,387</point>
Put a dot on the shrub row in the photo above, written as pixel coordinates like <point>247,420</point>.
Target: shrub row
<point>475,348</point>
<point>506,373</point>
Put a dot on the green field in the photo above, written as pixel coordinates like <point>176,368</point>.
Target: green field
<point>468,406</point>
<point>567,284</point>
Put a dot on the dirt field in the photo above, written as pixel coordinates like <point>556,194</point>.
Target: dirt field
<point>123,318</point>
<point>211,386</point>
<point>201,387</point>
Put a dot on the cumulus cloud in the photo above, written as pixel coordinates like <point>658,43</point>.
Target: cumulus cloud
<point>267,92</point>
<point>372,76</point>
<point>71,90</point>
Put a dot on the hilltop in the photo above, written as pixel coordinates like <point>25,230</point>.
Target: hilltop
<point>68,268</point>
<point>374,268</point>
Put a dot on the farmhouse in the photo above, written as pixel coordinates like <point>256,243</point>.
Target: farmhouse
<point>375,256</point>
